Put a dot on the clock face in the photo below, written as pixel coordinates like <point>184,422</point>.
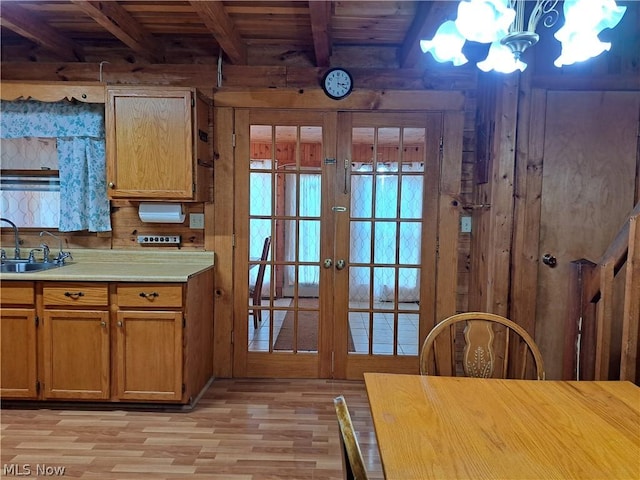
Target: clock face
<point>337,83</point>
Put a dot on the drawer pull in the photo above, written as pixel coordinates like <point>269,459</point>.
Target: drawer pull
<point>73,294</point>
<point>149,295</point>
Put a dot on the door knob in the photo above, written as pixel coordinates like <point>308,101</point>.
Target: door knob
<point>327,263</point>
<point>549,260</point>
<point>340,264</point>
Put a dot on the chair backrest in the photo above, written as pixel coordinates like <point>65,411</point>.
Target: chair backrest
<point>486,350</point>
<point>352,461</point>
<point>257,289</point>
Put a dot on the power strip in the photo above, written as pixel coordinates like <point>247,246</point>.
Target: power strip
<point>159,239</point>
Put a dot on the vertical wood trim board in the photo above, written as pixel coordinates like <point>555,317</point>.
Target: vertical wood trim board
<point>222,242</point>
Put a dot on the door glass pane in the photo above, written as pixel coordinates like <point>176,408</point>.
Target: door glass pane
<point>290,194</point>
<point>309,245</point>
<point>359,286</point>
<point>307,335</point>
<point>359,332</point>
<point>411,196</point>
<point>384,247</point>
<point>408,333</point>
<point>409,248</point>
<point>261,146</point>
<point>387,149</point>
<point>360,243</point>
<point>386,196</point>
<point>361,193</point>
<point>310,188</point>
<point>382,333</point>
<point>260,186</point>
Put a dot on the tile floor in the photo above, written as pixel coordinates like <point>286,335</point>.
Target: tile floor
<point>382,324</point>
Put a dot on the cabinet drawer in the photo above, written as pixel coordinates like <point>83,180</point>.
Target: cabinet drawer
<point>70,294</point>
<point>155,295</point>
<point>17,293</point>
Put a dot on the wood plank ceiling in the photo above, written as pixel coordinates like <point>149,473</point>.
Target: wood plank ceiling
<point>242,32</point>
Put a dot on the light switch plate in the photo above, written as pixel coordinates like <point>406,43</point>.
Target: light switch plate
<point>465,224</point>
<point>196,221</point>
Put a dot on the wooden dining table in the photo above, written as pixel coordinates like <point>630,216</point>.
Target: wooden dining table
<point>431,427</point>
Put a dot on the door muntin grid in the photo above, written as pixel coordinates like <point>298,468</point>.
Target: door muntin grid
<point>286,186</point>
<point>387,182</point>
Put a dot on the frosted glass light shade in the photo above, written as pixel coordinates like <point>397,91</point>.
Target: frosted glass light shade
<point>584,20</point>
<point>446,45</point>
<point>501,59</point>
<point>484,21</point>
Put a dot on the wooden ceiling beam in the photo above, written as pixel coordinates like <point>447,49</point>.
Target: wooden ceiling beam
<point>22,22</point>
<point>116,20</point>
<point>215,17</point>
<point>320,12</point>
<point>429,16</point>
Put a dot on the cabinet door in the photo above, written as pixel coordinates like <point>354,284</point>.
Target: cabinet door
<point>150,143</point>
<point>76,354</point>
<point>149,355</point>
<point>18,370</point>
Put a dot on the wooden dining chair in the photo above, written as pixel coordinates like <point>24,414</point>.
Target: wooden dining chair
<point>488,340</point>
<point>352,461</point>
<point>255,290</point>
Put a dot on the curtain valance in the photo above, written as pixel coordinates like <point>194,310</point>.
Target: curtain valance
<point>51,120</point>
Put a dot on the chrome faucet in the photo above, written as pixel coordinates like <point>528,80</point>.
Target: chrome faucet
<point>61,255</point>
<point>32,257</point>
<point>17,237</point>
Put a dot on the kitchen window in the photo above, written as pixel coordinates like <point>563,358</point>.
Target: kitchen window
<point>30,182</point>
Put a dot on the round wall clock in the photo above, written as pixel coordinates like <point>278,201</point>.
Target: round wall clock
<point>337,83</point>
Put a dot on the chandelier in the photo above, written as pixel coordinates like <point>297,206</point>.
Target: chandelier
<point>501,23</point>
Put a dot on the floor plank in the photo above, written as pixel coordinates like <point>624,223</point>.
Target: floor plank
<point>242,429</point>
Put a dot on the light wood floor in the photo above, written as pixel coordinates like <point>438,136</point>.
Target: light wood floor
<point>240,430</point>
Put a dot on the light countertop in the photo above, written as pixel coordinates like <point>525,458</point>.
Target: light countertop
<point>92,265</point>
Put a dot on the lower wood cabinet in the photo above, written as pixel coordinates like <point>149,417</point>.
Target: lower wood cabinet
<point>150,341</point>
<point>76,341</point>
<point>149,355</point>
<point>18,367</point>
<point>115,342</point>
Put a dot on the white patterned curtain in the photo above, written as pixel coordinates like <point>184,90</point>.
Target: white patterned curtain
<point>308,230</point>
<point>260,228</point>
<point>79,131</point>
<point>382,206</point>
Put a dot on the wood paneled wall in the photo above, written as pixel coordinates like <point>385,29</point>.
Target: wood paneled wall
<point>218,233</point>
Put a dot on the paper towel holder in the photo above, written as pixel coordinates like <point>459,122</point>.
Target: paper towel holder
<point>161,212</point>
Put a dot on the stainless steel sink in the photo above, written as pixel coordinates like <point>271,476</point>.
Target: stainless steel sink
<point>17,266</point>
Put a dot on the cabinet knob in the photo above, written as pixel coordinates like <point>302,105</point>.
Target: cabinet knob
<point>119,323</point>
<point>103,323</point>
<point>112,185</point>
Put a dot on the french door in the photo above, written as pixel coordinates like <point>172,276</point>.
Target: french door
<point>336,237</point>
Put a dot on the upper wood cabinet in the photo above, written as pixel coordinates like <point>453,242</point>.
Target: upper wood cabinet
<point>157,143</point>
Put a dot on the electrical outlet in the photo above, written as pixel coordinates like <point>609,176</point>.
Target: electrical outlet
<point>196,221</point>
<point>465,224</point>
<point>159,239</point>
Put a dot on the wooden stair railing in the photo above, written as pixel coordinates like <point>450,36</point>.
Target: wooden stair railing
<point>591,351</point>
